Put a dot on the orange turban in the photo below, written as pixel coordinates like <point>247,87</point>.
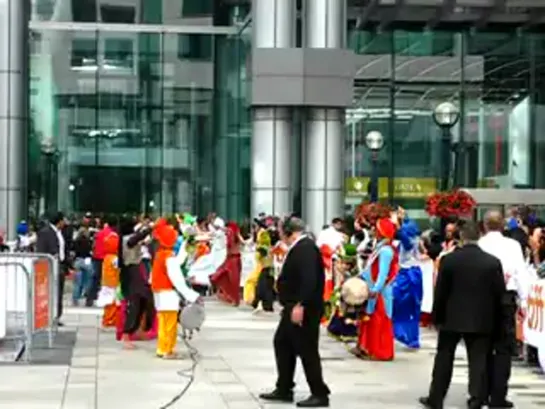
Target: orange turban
<point>386,228</point>
<point>165,234</point>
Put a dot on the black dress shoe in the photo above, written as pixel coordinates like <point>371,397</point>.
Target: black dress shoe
<point>314,402</point>
<point>277,396</point>
<point>506,404</point>
<point>428,404</point>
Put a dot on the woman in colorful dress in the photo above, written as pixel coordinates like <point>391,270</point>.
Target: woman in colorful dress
<point>227,278</point>
<point>259,287</point>
<point>342,324</point>
<point>376,330</point>
<point>407,288</point>
<point>136,317</point>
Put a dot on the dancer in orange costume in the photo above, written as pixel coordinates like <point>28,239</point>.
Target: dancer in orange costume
<point>376,330</point>
<point>167,282</point>
<point>110,280</point>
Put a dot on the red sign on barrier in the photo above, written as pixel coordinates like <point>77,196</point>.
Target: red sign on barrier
<point>41,293</point>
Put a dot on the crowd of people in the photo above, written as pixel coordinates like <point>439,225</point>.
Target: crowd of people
<point>370,281</point>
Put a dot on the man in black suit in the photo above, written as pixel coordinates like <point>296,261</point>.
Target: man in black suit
<point>50,240</point>
<point>300,291</point>
<point>467,305</point>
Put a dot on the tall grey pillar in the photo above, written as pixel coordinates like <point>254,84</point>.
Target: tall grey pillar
<point>14,16</point>
<point>323,161</point>
<point>272,193</point>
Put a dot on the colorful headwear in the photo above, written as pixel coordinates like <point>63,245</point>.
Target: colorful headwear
<point>348,253</point>
<point>22,228</point>
<point>386,228</point>
<point>111,243</point>
<point>165,234</point>
<point>233,227</point>
<point>189,219</point>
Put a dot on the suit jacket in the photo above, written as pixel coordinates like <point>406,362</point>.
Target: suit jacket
<point>302,277</point>
<point>469,292</point>
<point>47,241</point>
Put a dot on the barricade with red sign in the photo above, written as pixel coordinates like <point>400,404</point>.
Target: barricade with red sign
<point>28,284</point>
<point>42,289</point>
<point>533,329</point>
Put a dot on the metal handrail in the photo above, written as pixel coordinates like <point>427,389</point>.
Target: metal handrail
<point>53,277</point>
<point>29,308</point>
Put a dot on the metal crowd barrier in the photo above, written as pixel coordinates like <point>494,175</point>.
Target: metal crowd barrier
<point>28,300</point>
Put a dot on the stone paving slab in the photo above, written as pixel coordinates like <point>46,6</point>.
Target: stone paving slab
<point>236,364</point>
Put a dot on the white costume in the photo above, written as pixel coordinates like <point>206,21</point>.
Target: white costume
<point>201,269</point>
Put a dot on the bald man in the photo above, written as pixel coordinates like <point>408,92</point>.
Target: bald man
<point>509,252</point>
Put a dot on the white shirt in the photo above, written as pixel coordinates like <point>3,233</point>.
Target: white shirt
<point>60,239</point>
<point>330,237</point>
<point>509,253</point>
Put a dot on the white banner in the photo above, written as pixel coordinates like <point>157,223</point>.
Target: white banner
<point>534,326</point>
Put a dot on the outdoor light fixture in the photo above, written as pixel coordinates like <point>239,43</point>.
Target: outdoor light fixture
<point>446,115</point>
<point>374,142</point>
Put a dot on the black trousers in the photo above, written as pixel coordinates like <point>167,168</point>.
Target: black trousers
<point>63,268</point>
<point>292,341</point>
<point>139,308</point>
<point>478,347</point>
<point>94,286</point>
<point>265,290</point>
<point>503,348</point>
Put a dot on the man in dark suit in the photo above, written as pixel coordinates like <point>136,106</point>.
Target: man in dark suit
<point>467,305</point>
<point>50,240</point>
<point>300,291</point>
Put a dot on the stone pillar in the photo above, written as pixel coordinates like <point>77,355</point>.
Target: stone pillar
<point>323,161</point>
<point>14,16</point>
<point>272,193</point>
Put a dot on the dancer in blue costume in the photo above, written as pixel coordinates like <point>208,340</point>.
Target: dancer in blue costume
<point>407,287</point>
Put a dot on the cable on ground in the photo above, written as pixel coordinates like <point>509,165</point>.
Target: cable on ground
<point>188,374</point>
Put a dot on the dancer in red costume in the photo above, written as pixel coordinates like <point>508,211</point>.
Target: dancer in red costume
<point>376,331</point>
<point>227,278</point>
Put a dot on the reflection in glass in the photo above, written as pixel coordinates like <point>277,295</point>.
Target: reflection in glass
<point>496,80</point>
<point>131,121</point>
<point>168,12</point>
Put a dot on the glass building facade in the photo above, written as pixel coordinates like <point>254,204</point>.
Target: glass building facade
<point>164,106</point>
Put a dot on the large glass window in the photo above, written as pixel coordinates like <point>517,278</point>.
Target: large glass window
<point>496,80</point>
<point>129,122</point>
<point>168,12</point>
<point>195,47</point>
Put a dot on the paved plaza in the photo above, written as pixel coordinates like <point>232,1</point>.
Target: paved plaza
<point>236,363</point>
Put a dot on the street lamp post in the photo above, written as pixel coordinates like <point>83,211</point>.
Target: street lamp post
<point>374,142</point>
<point>445,116</point>
<point>49,153</point>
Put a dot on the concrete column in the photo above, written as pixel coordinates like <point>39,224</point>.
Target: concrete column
<point>272,193</point>
<point>271,161</point>
<point>14,16</point>
<point>323,197</point>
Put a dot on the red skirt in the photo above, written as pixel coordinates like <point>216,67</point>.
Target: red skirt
<point>120,324</point>
<point>227,280</point>
<point>376,334</point>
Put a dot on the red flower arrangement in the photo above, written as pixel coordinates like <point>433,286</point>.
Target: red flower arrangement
<point>370,212</point>
<point>455,203</point>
